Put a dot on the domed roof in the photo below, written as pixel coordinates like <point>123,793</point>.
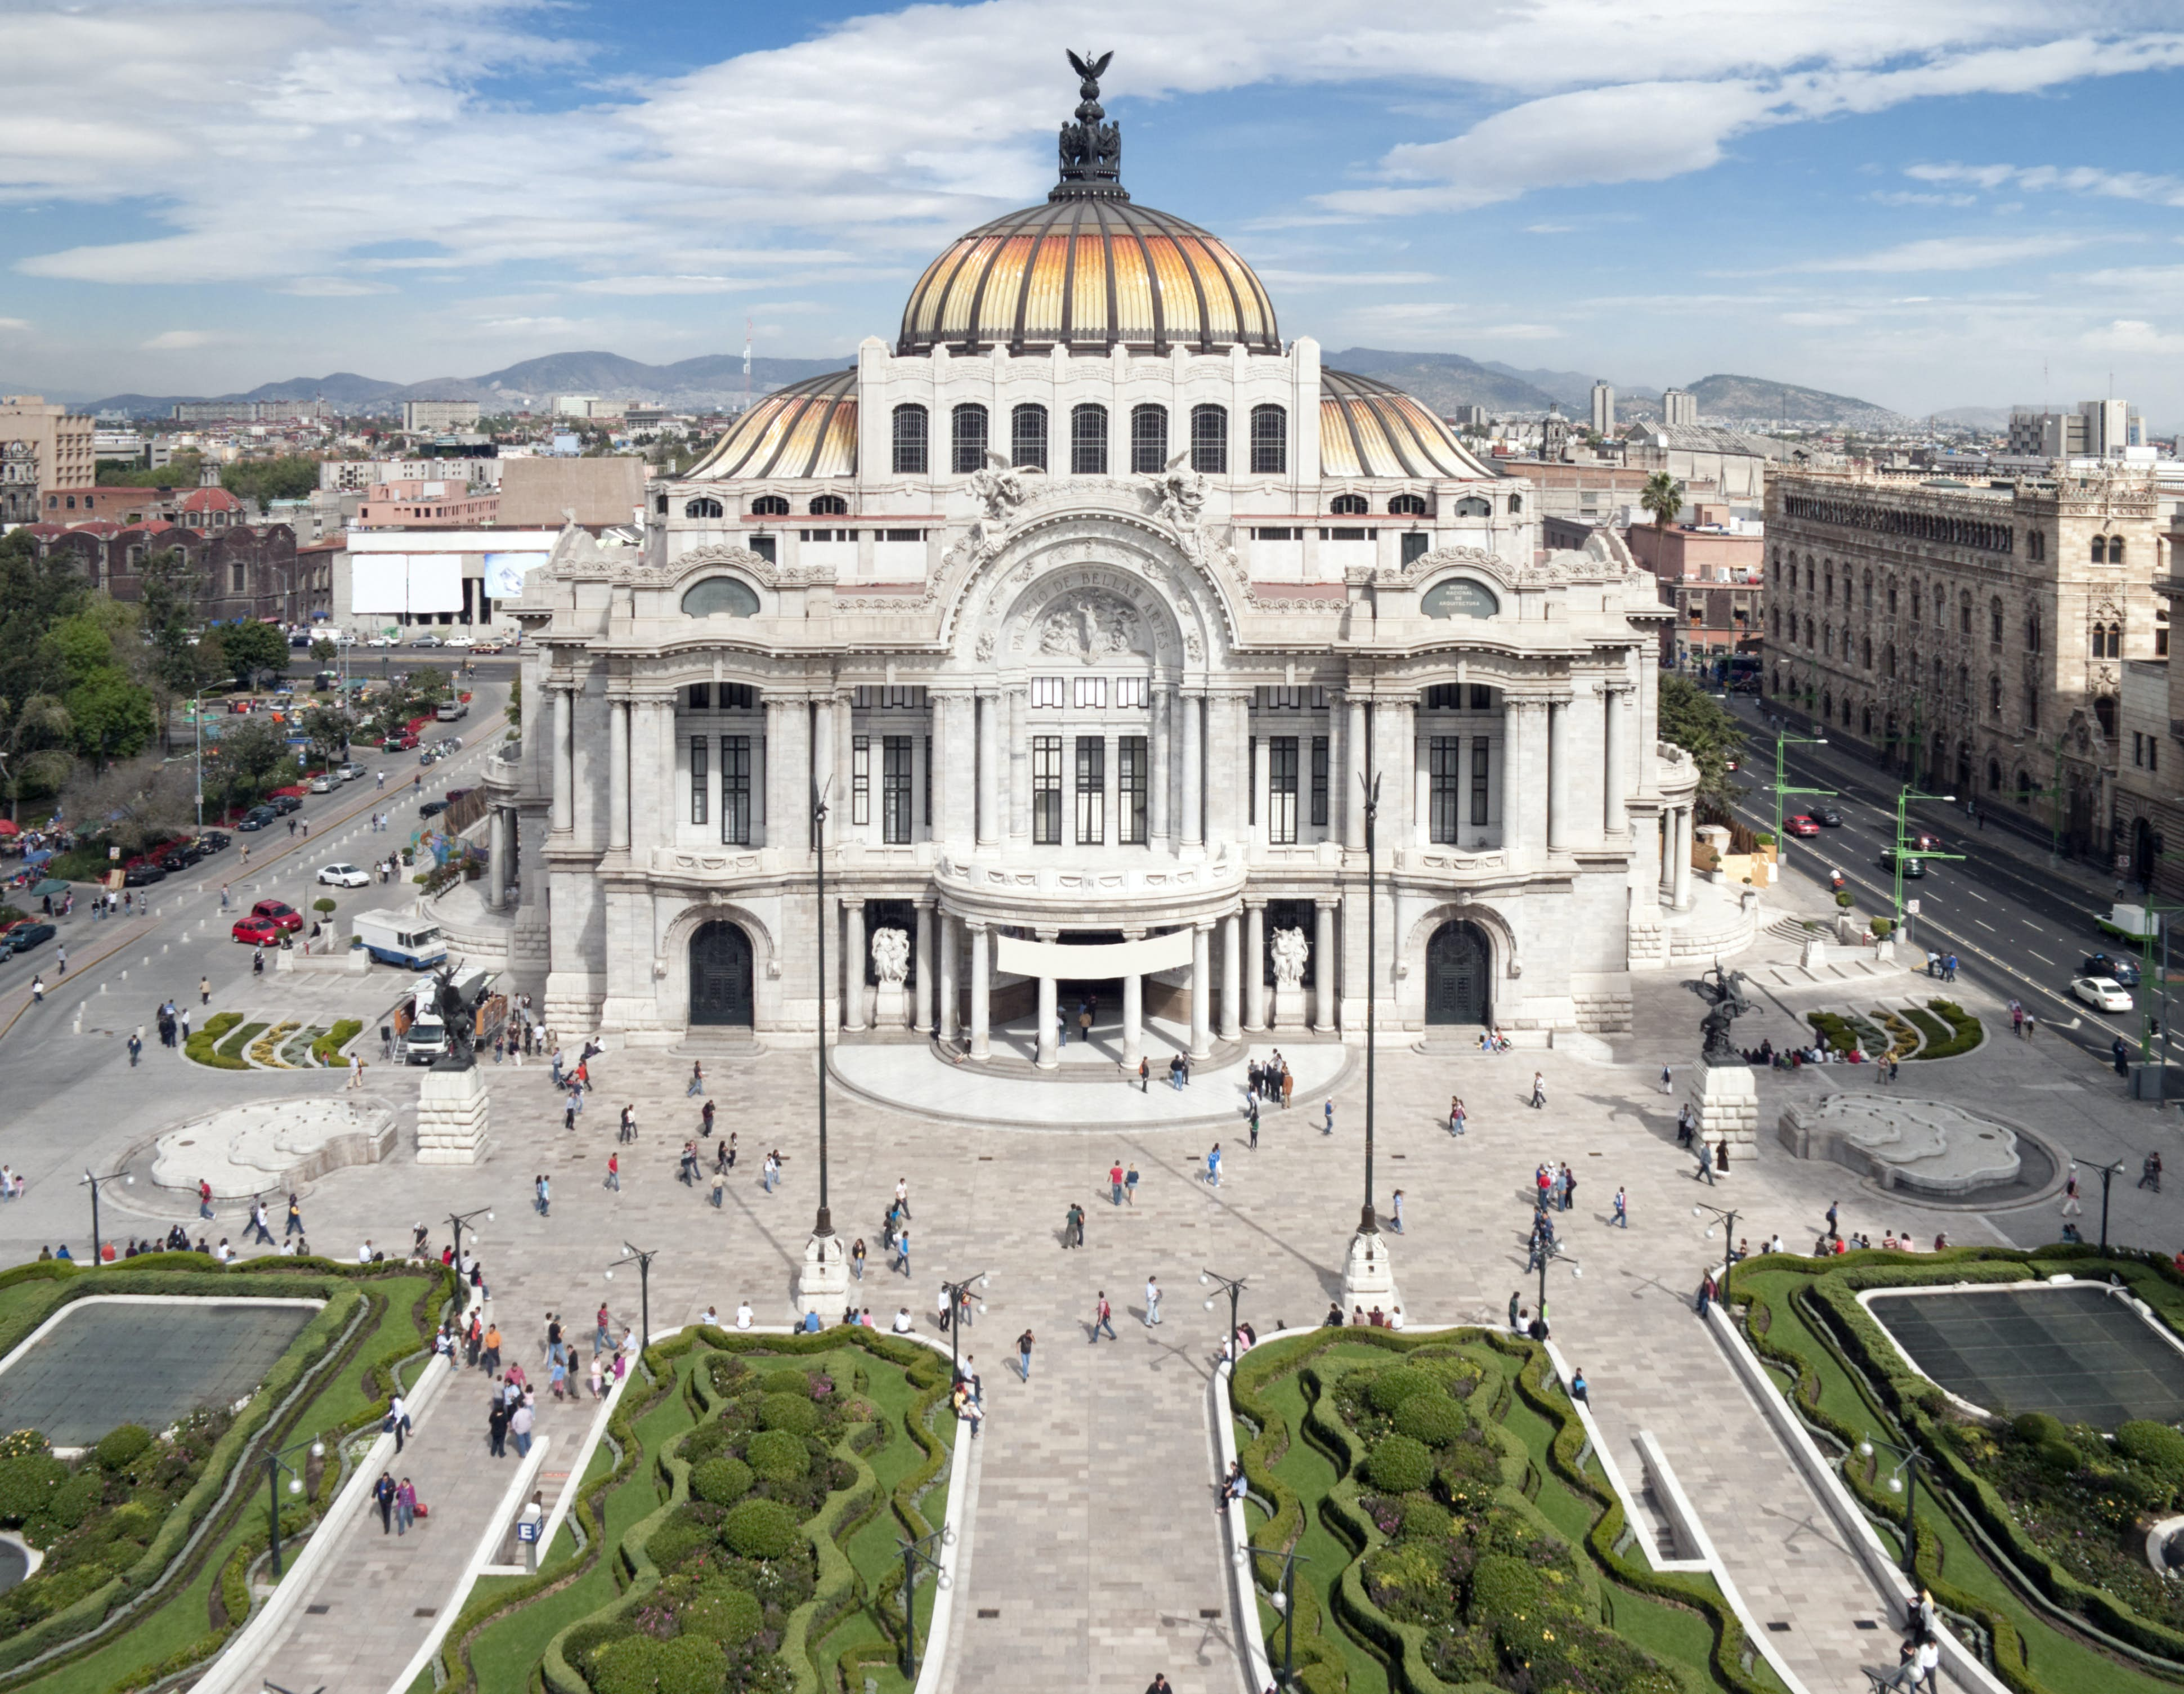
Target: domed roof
<point>1370,429</point>
<point>1089,270</point>
<point>808,429</point>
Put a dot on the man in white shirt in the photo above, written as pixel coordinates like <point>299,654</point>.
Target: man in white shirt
<point>364,1252</point>
<point>743,1315</point>
<point>903,1325</point>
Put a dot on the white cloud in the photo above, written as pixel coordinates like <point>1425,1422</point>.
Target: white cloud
<point>332,287</point>
<point>2134,335</point>
<point>1361,279</point>
<point>13,324</point>
<point>2085,180</point>
<point>179,341</point>
<point>1944,253</point>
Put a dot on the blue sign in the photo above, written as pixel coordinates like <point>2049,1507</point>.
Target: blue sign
<point>528,1530</point>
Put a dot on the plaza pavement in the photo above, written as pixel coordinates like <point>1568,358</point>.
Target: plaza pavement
<point>1096,1547</point>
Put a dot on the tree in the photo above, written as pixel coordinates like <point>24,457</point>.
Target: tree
<point>134,804</point>
<point>183,471</point>
<point>324,650</point>
<point>109,710</point>
<point>327,728</point>
<point>254,649</point>
<point>35,594</point>
<point>34,747</point>
<point>516,701</point>
<point>247,762</point>
<point>290,478</point>
<point>428,685</point>
<point>1693,720</point>
<point>1661,498</point>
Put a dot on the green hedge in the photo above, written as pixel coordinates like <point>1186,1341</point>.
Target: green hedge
<point>327,1048</point>
<point>1965,1031</point>
<point>203,1043</point>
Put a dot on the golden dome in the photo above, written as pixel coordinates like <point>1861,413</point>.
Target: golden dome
<point>1371,429</point>
<point>808,429</point>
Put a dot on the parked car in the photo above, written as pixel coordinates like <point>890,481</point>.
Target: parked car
<point>428,641</point>
<point>1800,825</point>
<point>181,858</point>
<point>282,804</point>
<point>1913,867</point>
<point>348,772</point>
<point>397,743</point>
<point>278,913</point>
<point>325,783</point>
<point>484,647</point>
<point>457,641</point>
<point>213,841</point>
<point>379,641</point>
<point>343,877</point>
<point>258,817</point>
<point>2103,993</point>
<point>2122,971</point>
<point>431,808</point>
<point>257,931</point>
<point>141,874</point>
<point>25,936</point>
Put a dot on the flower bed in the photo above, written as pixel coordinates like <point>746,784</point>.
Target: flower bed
<point>326,1049</point>
<point>1964,1034</point>
<point>1470,1546</point>
<point>203,1044</point>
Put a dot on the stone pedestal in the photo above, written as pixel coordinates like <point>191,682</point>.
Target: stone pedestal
<point>1726,1099</point>
<point>822,1280</point>
<point>1814,955</point>
<point>1290,1009</point>
<point>890,1006</point>
<point>451,1117</point>
<point>1368,1275</point>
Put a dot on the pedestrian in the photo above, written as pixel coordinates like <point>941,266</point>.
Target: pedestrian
<point>1834,1209</point>
<point>902,1249</point>
<point>1329,1129</point>
<point>1130,1186</point>
<point>1668,1081</point>
<point>857,1259</point>
<point>260,1233</point>
<point>720,1195</point>
<point>2071,1208</point>
<point>1539,1090</point>
<point>1580,1389</point>
<point>697,1078</point>
<point>295,1226</point>
<point>519,1425</point>
<point>1456,1116</point>
<point>1115,1182</point>
<point>1023,1356</point>
<point>204,991</point>
<point>613,1172</point>
<point>1152,1301</point>
<point>1072,1227</point>
<point>1252,1122</point>
<point>1213,1166</point>
<point>1395,1211</point>
<point>1103,1319</point>
<point>204,1198</point>
<point>1706,1165</point>
<point>136,1047</point>
<point>396,1421</point>
<point>383,1494</point>
<point>627,1130</point>
<point>1622,1210</point>
<point>545,1196</point>
<point>1145,1074</point>
<point>2149,1172</point>
<point>1516,1312</point>
<point>405,1507</point>
<point>1706,1293</point>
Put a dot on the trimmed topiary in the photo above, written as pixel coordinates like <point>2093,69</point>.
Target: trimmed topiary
<point>2060,1456</point>
<point>720,1481</point>
<point>1433,1419</point>
<point>1504,1591</point>
<point>1400,1464</point>
<point>798,1416</point>
<point>795,1382</point>
<point>777,1456</point>
<point>27,1486</point>
<point>643,1664</point>
<point>1391,1388</point>
<point>760,1529</point>
<point>1426,1520</point>
<point>2153,1444</point>
<point>723,1612</point>
<point>2036,1427</point>
<point>75,1500</point>
<point>121,1448</point>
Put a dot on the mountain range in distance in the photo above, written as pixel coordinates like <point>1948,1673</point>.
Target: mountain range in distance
<point>1443,381</point>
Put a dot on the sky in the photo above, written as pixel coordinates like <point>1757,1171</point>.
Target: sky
<point>1931,205</point>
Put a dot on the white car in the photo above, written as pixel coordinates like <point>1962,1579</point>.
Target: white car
<point>2103,993</point>
<point>343,877</point>
<point>326,784</point>
<point>456,641</point>
<point>379,641</point>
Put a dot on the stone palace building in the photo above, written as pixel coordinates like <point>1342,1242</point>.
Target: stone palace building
<point>1061,633</point>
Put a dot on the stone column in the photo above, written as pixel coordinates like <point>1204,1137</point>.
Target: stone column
<point>841,816</point>
<point>823,775</point>
<point>1202,990</point>
<point>1227,769</point>
<point>1049,1055</point>
<point>618,775</point>
<point>1255,964</point>
<point>1613,820</point>
<point>565,759</point>
<point>1193,780</point>
<point>1558,785</point>
<point>786,806</point>
<point>923,956</point>
<point>1231,971</point>
<point>1018,755</point>
<point>1524,792</point>
<point>951,946</point>
<point>1664,832</point>
<point>982,992</point>
<point>853,964</point>
<point>1323,964</point>
<point>1161,778</point>
<point>1262,794</point>
<point>646,787</point>
<point>991,828</point>
<point>1352,767</point>
<point>496,880</point>
<point>1682,900</point>
<point>1133,1021</point>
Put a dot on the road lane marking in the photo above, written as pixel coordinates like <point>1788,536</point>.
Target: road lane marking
<point>1985,925</point>
<point>1976,895</point>
<point>2029,954</point>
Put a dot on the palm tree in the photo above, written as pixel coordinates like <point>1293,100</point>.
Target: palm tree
<point>1661,498</point>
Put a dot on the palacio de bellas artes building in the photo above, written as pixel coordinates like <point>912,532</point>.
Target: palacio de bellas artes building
<point>1084,606</point>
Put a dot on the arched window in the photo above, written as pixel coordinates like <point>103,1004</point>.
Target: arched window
<point>1350,505</point>
<point>2100,641</point>
<point>1937,676</point>
<point>1891,599</point>
<point>1827,591</point>
<point>1209,440</point>
<point>1828,706</point>
<point>2032,631</point>
<point>2115,550</point>
<point>1088,440</point>
<point>1148,438</point>
<point>2100,549</point>
<point>1868,591</point>
<point>1865,723</point>
<point>2024,788</point>
<point>2035,545</point>
<point>967,439</point>
<point>1865,652</point>
<point>910,432</point>
<point>2104,710</point>
<point>1828,639</point>
<point>1994,622</point>
<point>1516,505</point>
<point>720,597</point>
<point>1964,683</point>
<point>1270,441</point>
<point>1994,694</point>
<point>1027,436</point>
<point>829,505</point>
<point>2115,641</point>
<point>1472,506</point>
<point>1408,505</point>
<point>769,506</point>
<point>706,507</point>
<point>1994,776</point>
<point>1918,601</point>
<point>1964,615</point>
<point>2161,632</point>
<point>1808,630</point>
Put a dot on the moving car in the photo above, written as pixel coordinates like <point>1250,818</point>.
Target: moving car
<point>2103,993</point>
<point>258,817</point>
<point>349,772</point>
<point>431,808</point>
<point>2122,971</point>
<point>484,647</point>
<point>25,936</point>
<point>1913,867</point>
<point>256,932</point>
<point>456,641</point>
<point>1927,842</point>
<point>379,641</point>
<point>1828,818</point>
<point>343,877</point>
<point>1800,825</point>
<point>278,913</point>
<point>136,875</point>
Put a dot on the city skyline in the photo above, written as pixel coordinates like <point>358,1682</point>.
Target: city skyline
<point>1924,211</point>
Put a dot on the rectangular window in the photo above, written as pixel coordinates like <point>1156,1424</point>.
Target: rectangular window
<point>1131,691</point>
<point>1046,790</point>
<point>1087,441</point>
<point>736,790</point>
<point>1282,790</point>
<point>1270,443</point>
<point>1445,756</point>
<point>925,800</point>
<point>1091,694</point>
<point>1319,774</point>
<point>1482,697</point>
<point>1481,764</point>
<point>1051,693</point>
<point>1415,544</point>
<point>895,790</point>
<point>1148,439</point>
<point>861,779</point>
<point>698,779</point>
<point>1132,768</point>
<point>701,700</point>
<point>1091,790</point>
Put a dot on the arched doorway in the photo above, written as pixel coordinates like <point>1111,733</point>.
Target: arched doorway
<point>721,976</point>
<point>1459,963</point>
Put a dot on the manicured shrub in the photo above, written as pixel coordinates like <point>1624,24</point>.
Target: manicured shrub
<point>795,1382</point>
<point>121,1448</point>
<point>2153,1444</point>
<point>676,1539</point>
<point>797,1415</point>
<point>27,1486</point>
<point>2036,1427</point>
<point>75,1500</point>
<point>1400,1464</point>
<point>2060,1456</point>
<point>723,1612</point>
<point>1391,1388</point>
<point>1426,1520</point>
<point>777,1456</point>
<point>641,1664</point>
<point>1505,1589</point>
<point>723,1482</point>
<point>760,1529</point>
<point>1433,1419</point>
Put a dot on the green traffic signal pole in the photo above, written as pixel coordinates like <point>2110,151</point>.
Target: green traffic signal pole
<point>1783,740</point>
<point>2161,914</point>
<point>1904,796</point>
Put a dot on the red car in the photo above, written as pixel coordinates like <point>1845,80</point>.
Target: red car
<point>257,931</point>
<point>278,913</point>
<point>1800,825</point>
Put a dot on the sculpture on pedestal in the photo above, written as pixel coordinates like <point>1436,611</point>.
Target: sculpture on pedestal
<point>1723,993</point>
<point>460,1019</point>
<point>1290,950</point>
<point>891,965</point>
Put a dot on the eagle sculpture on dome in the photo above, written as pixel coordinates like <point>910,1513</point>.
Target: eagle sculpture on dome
<point>1091,71</point>
<point>1091,148</point>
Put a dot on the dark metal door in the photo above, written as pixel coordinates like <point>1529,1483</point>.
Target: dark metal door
<point>720,975</point>
<point>1456,975</point>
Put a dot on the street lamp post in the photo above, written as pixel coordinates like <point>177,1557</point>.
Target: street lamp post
<point>1784,740</point>
<point>824,1276</point>
<point>1234,1287</point>
<point>1906,1477</point>
<point>275,1462</point>
<point>94,1184</point>
<point>1904,796</point>
<point>914,1554</point>
<point>1727,1217</point>
<point>643,1292</point>
<point>1285,1601</point>
<point>956,1291</point>
<point>2107,1173</point>
<point>456,1220</point>
<point>1367,1274</point>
